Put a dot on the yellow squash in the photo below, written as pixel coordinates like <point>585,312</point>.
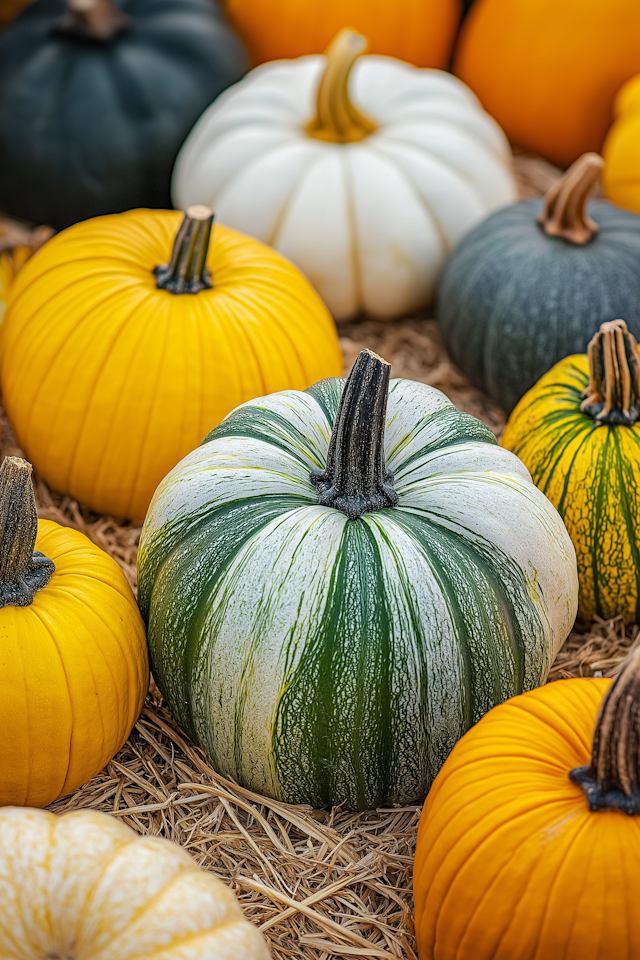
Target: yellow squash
<point>74,668</point>
<point>578,433</point>
<point>122,349</point>
<point>84,885</point>
<point>621,176</point>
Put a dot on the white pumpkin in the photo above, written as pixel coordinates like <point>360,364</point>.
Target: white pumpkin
<point>85,886</point>
<point>368,204</point>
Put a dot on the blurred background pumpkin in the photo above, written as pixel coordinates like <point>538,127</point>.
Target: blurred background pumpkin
<point>95,100</point>
<point>621,149</point>
<point>9,9</point>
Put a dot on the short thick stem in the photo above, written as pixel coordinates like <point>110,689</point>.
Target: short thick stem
<point>612,780</point>
<point>613,394</point>
<point>92,21</point>
<point>23,570</point>
<point>356,480</point>
<point>564,214</point>
<point>337,120</point>
<point>187,271</point>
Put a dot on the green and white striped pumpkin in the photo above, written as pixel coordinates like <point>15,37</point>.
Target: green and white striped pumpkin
<point>325,653</point>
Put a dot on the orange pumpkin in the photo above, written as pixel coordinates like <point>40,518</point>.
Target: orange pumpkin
<point>418,31</point>
<point>548,71</point>
<point>529,842</point>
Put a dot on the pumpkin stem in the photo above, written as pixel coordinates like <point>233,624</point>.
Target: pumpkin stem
<point>187,272</point>
<point>337,120</point>
<point>612,779</point>
<point>92,21</point>
<point>613,393</point>
<point>564,213</point>
<point>23,570</point>
<point>356,480</point>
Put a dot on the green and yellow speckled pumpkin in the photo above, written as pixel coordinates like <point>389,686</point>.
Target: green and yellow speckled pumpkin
<point>578,433</point>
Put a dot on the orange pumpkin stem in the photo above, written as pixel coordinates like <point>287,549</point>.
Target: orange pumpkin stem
<point>613,393</point>
<point>92,21</point>
<point>612,779</point>
<point>356,480</point>
<point>337,120</point>
<point>187,271</point>
<point>564,214</point>
<point>23,570</point>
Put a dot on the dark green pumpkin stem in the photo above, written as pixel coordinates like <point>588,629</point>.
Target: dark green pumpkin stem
<point>92,21</point>
<point>612,779</point>
<point>356,480</point>
<point>187,271</point>
<point>613,393</point>
<point>23,570</point>
<point>564,213</point>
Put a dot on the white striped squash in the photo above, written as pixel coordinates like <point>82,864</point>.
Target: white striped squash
<point>321,659</point>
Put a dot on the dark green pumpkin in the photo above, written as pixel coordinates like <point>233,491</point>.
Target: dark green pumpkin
<point>514,300</point>
<point>91,126</point>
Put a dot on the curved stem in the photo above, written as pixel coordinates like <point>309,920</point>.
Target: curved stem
<point>356,480</point>
<point>613,393</point>
<point>564,214</point>
<point>337,120</point>
<point>612,780</point>
<point>187,272</point>
<point>23,570</point>
<point>92,21</point>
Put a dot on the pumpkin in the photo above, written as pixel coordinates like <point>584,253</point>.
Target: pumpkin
<point>529,842</point>
<point>10,9</point>
<point>548,71</point>
<point>577,432</point>
<point>95,101</point>
<point>420,31</point>
<point>336,591</point>
<point>17,244</point>
<point>368,195</point>
<point>120,353</point>
<point>85,885</point>
<point>74,670</point>
<point>621,177</point>
<point>533,282</point>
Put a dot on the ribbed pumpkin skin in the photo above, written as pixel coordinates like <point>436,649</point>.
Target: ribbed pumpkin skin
<point>592,476</point>
<point>105,122</point>
<point>108,382</point>
<point>319,659</point>
<point>73,674</point>
<point>85,885</point>
<point>513,301</point>
<point>621,151</point>
<point>549,71</point>
<point>510,862</point>
<point>418,31</point>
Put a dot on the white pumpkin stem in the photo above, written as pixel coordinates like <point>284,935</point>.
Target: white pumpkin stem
<point>564,213</point>
<point>612,779</point>
<point>23,570</point>
<point>187,272</point>
<point>93,21</point>
<point>337,120</point>
<point>356,480</point>
<point>613,393</point>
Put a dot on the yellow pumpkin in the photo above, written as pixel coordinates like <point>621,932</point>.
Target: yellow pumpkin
<point>17,244</point>
<point>621,175</point>
<point>121,349</point>
<point>85,885</point>
<point>578,433</point>
<point>529,842</point>
<point>74,668</point>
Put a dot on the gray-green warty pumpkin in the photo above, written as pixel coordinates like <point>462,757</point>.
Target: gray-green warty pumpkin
<point>337,588</point>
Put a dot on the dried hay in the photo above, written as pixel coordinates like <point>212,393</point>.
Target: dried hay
<point>320,884</point>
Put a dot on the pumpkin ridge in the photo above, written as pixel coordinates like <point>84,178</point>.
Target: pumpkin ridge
<point>588,436</point>
<point>628,481</point>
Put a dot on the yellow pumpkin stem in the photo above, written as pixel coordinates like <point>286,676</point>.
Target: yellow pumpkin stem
<point>613,393</point>
<point>564,214</point>
<point>612,779</point>
<point>337,120</point>
<point>99,21</point>
<point>23,571</point>
<point>187,270</point>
